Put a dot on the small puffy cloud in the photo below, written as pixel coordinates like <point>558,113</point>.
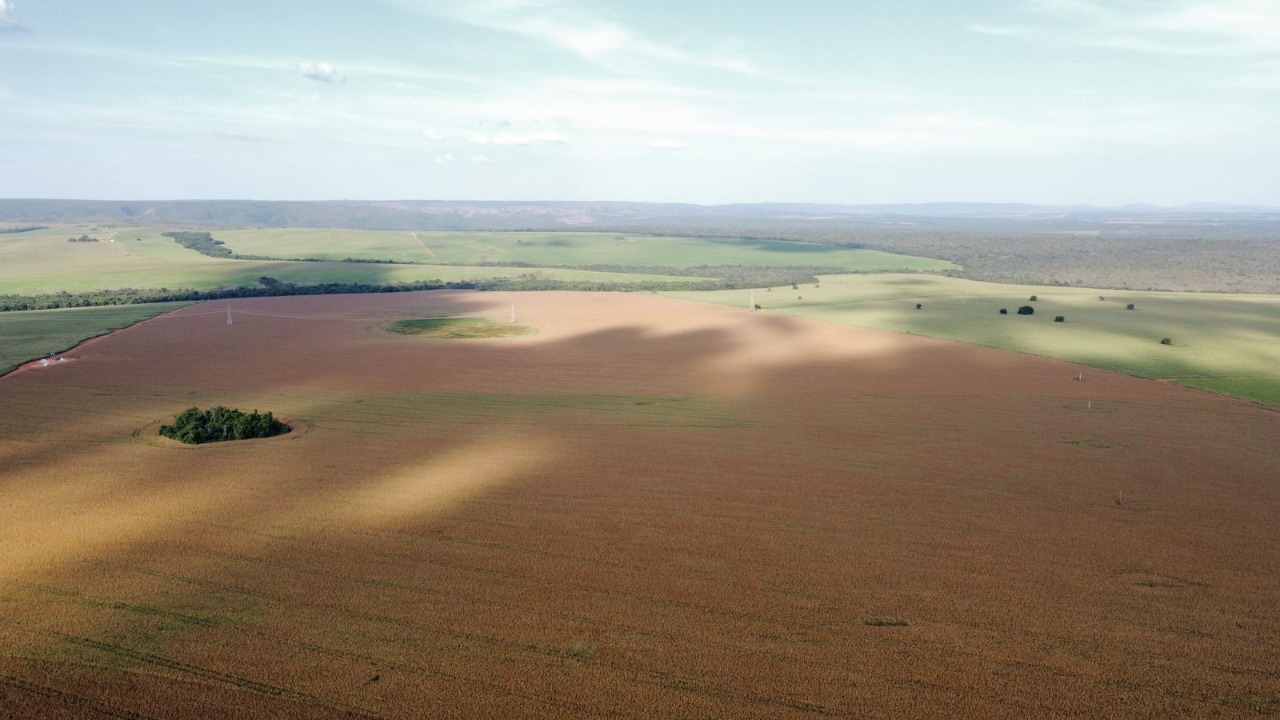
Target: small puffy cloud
<point>1014,31</point>
<point>445,159</point>
<point>8,18</point>
<point>432,135</point>
<point>666,144</point>
<point>324,72</point>
<point>543,137</point>
<point>589,42</point>
<point>481,159</point>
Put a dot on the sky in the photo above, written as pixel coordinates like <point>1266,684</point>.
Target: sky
<point>699,101</point>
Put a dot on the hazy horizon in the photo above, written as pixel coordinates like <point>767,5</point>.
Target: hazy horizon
<point>1052,102</point>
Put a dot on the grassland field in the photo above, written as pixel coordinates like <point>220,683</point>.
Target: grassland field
<point>563,249</point>
<point>43,261</point>
<point>1219,342</point>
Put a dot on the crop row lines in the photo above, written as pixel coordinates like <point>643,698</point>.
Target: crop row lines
<point>81,704</point>
<point>657,678</point>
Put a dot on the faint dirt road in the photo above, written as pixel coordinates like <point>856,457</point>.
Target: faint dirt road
<point>424,245</point>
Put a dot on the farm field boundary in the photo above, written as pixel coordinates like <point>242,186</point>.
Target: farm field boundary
<point>35,334</point>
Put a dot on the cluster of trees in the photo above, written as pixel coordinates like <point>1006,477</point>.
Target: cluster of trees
<point>82,238</point>
<point>24,228</point>
<point>201,242</point>
<point>195,426</point>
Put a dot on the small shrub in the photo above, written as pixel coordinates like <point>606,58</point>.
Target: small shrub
<point>580,651</point>
<point>883,621</point>
<point>1033,298</point>
<point>1026,310</point>
<point>1004,311</point>
<point>1129,306</point>
<point>1166,341</point>
<point>918,306</point>
<point>1059,318</point>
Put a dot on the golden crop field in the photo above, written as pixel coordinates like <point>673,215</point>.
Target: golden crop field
<point>646,508</point>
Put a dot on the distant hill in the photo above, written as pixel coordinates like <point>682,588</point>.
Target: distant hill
<point>497,215</point>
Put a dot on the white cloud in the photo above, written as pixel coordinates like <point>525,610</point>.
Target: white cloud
<point>1255,24</point>
<point>324,72</point>
<point>1260,76</point>
<point>1000,30</point>
<point>445,159</point>
<point>603,42</point>
<point>432,135</point>
<point>481,159</point>
<point>541,137</point>
<point>666,144</point>
<point>8,18</point>
<point>1219,28</point>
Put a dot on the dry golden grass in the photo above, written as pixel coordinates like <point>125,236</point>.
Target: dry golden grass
<point>650,508</point>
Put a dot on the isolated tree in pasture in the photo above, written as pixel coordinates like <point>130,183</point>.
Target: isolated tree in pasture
<point>1026,310</point>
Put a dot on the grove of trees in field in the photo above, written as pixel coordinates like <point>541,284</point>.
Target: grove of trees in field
<point>195,426</point>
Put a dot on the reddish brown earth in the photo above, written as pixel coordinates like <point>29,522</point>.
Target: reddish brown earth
<point>650,508</point>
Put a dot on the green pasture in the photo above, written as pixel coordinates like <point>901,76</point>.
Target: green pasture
<point>1224,343</point>
<point>563,249</point>
<point>43,262</point>
<point>29,335</point>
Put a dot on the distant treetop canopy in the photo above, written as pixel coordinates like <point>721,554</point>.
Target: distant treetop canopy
<point>196,427</point>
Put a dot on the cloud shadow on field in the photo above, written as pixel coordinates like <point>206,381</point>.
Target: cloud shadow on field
<point>640,496</point>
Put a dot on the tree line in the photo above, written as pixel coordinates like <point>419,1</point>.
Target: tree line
<point>724,278</point>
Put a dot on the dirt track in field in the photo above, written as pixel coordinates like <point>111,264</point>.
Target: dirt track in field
<point>650,508</point>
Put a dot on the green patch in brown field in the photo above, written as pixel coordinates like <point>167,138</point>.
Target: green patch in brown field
<point>458,328</point>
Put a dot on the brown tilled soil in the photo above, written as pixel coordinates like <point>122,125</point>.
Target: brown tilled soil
<point>649,509</point>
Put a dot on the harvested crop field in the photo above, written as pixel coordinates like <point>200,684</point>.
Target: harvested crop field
<point>648,508</point>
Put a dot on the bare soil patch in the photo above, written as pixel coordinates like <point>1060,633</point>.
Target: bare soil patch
<point>650,508</point>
